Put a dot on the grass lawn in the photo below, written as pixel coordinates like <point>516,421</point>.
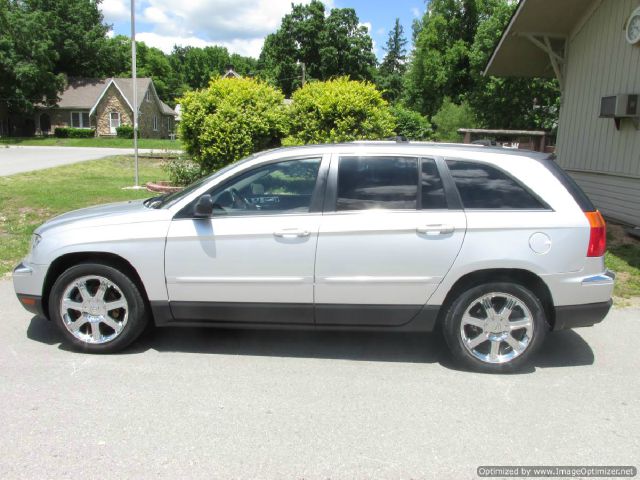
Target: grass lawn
<point>28,199</point>
<point>623,258</point>
<point>93,142</point>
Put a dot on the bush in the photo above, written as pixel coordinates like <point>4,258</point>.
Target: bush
<point>450,118</point>
<point>229,120</point>
<point>124,131</point>
<point>338,110</point>
<point>69,132</point>
<point>182,171</point>
<point>411,124</point>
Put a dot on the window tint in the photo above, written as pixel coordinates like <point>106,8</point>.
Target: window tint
<point>483,186</point>
<point>432,190</point>
<point>377,182</point>
<point>283,187</point>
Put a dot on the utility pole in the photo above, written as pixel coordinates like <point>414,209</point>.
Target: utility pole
<point>135,92</point>
<point>304,73</point>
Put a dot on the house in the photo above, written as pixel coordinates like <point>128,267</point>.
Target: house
<point>104,105</point>
<point>593,48</point>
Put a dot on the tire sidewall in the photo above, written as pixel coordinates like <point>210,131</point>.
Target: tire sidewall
<point>137,315</point>
<point>454,315</point>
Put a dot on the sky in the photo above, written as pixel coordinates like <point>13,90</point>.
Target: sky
<point>241,25</point>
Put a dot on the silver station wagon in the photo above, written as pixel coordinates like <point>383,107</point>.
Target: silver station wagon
<point>496,247</point>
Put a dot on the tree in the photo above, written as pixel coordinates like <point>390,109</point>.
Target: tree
<point>410,124</point>
<point>229,120</point>
<point>393,66</point>
<point>452,117</point>
<point>454,40</point>
<point>27,61</point>
<point>77,32</point>
<point>517,103</point>
<point>338,110</point>
<point>328,46</point>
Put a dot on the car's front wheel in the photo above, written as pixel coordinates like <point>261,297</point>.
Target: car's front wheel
<point>495,327</point>
<point>98,308</point>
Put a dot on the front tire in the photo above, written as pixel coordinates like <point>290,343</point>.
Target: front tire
<point>98,308</point>
<point>495,327</point>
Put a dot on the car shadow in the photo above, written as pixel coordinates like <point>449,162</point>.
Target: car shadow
<point>561,349</point>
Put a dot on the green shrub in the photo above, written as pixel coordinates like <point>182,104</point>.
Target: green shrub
<point>182,171</point>
<point>231,119</point>
<point>124,131</point>
<point>338,110</point>
<point>450,118</point>
<point>69,132</point>
<point>411,124</point>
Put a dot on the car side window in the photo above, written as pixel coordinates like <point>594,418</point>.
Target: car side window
<point>282,187</point>
<point>432,191</point>
<point>482,186</point>
<point>377,183</point>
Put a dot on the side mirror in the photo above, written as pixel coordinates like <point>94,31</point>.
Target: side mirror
<point>204,207</point>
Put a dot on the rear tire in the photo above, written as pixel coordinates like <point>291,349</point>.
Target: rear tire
<point>495,327</point>
<point>98,308</point>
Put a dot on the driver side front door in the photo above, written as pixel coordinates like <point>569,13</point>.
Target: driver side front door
<point>253,260</point>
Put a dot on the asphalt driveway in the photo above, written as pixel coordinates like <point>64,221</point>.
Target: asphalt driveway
<point>197,403</point>
<point>18,159</point>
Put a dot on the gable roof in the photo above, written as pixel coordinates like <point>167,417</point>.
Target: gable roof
<point>85,93</point>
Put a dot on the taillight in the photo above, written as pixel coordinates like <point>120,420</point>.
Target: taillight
<point>598,236</point>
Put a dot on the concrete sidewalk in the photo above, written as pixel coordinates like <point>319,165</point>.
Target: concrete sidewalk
<point>18,159</point>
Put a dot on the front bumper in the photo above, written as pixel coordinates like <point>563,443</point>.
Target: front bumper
<point>28,280</point>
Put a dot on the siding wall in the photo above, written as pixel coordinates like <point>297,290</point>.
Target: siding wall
<point>603,160</point>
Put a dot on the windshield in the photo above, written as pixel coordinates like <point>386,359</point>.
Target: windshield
<point>172,198</point>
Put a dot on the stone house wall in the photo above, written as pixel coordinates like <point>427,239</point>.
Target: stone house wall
<point>112,101</point>
<point>148,110</point>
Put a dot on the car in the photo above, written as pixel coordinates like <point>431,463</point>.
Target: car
<point>495,247</point>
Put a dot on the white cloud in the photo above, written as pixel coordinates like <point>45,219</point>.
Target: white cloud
<point>240,25</point>
<point>115,10</point>
<point>416,12</point>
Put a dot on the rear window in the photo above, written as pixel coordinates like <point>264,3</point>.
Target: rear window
<point>569,183</point>
<point>482,186</point>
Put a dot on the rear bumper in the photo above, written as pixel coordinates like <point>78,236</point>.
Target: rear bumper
<point>574,316</point>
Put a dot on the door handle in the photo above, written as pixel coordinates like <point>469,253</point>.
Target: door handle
<point>291,233</point>
<point>436,229</point>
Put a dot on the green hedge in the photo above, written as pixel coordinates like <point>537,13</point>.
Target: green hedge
<point>68,132</point>
<point>124,131</point>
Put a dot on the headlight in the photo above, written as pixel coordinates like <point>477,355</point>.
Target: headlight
<point>35,240</point>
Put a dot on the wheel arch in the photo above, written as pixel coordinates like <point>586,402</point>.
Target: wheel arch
<point>520,276</point>
<point>68,260</point>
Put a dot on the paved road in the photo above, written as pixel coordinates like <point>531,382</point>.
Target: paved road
<point>197,403</point>
<point>17,159</point>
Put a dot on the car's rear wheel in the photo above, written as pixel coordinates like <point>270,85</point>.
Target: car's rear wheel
<point>98,308</point>
<point>495,327</point>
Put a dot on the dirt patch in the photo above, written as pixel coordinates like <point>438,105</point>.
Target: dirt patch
<point>618,235</point>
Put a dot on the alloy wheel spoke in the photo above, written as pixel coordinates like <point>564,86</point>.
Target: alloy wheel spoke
<point>495,349</point>
<point>113,323</point>
<point>116,304</point>
<point>95,332</point>
<point>487,305</point>
<point>69,304</point>
<point>102,289</point>
<point>508,307</point>
<point>82,288</point>
<point>520,323</point>
<point>474,321</point>
<point>514,343</point>
<point>76,324</point>
<point>474,342</point>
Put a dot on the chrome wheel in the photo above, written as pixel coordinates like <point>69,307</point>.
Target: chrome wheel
<point>496,327</point>
<point>94,309</point>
